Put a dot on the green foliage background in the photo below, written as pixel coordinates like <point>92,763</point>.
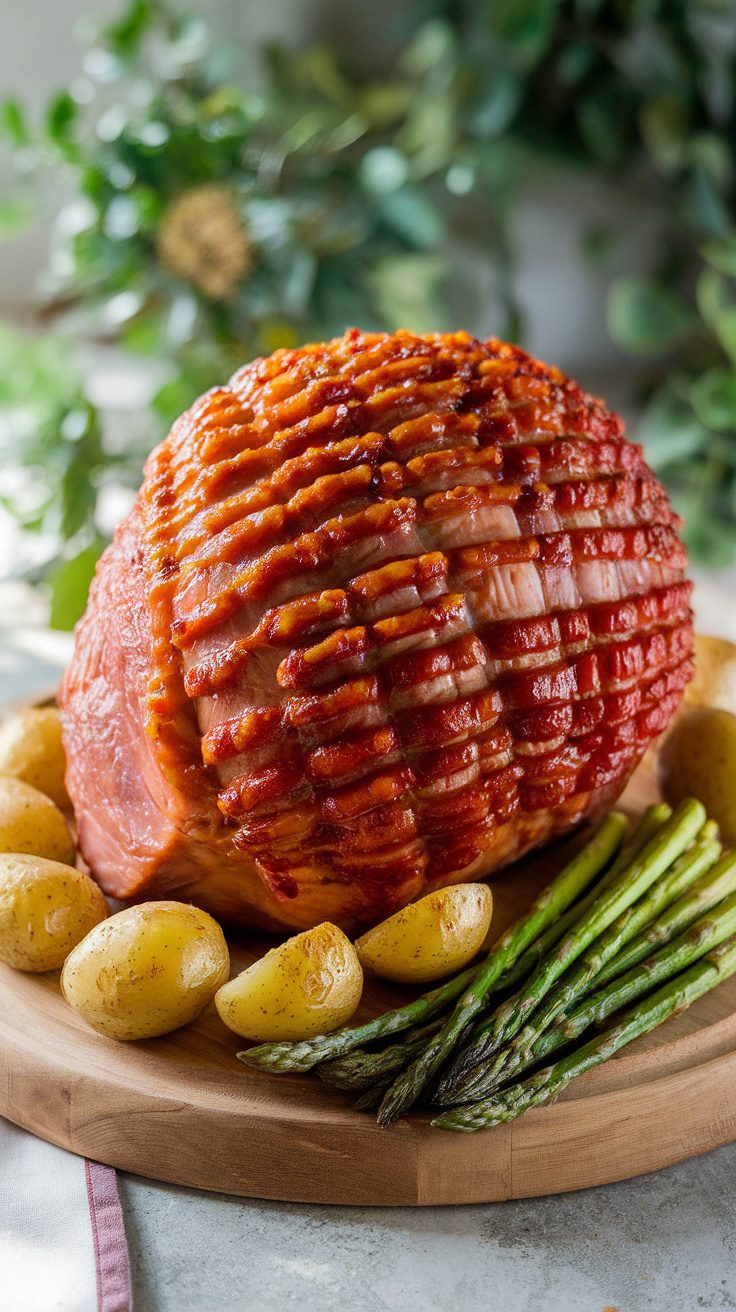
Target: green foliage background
<point>347,196</point>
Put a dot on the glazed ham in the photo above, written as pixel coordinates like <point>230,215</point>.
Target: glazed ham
<point>388,612</point>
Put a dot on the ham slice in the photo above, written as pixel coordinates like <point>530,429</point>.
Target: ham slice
<point>389,611</point>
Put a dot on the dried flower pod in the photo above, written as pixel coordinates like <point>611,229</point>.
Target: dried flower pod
<point>388,612</point>
<point>202,239</point>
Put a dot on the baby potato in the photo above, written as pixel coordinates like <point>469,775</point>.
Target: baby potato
<point>428,939</point>
<point>698,759</point>
<point>46,908</point>
<point>309,985</point>
<point>147,970</point>
<point>714,681</point>
<point>30,822</point>
<point>31,750</point>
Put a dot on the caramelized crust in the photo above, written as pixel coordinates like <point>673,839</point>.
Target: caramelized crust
<point>412,605</point>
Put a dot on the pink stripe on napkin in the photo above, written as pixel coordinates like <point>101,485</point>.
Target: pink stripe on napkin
<point>108,1234</point>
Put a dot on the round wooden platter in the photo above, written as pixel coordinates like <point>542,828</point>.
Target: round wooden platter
<point>183,1109</point>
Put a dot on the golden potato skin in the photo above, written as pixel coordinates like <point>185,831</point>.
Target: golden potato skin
<point>714,681</point>
<point>31,822</point>
<point>698,759</point>
<point>309,985</point>
<point>46,908</point>
<point>31,750</point>
<point>431,938</point>
<point>147,970</point>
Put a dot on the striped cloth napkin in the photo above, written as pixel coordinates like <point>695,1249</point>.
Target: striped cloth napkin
<point>62,1239</point>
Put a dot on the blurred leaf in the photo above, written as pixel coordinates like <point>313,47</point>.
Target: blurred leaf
<point>713,294</point>
<point>124,36</point>
<point>275,334</point>
<point>495,109</point>
<point>721,254</point>
<point>384,103</point>
<point>713,399</point>
<point>190,40</point>
<point>15,215</point>
<point>716,298</point>
<point>724,327</point>
<point>428,134</point>
<point>60,118</point>
<point>599,244</point>
<point>575,62</point>
<point>319,64</point>
<point>406,287</point>
<point>648,56</point>
<point>13,122</point>
<point>413,217</point>
<point>36,372</point>
<point>432,45</point>
<point>646,316</point>
<point>174,397</point>
<point>712,154</point>
<point>523,26</point>
<point>69,584</point>
<point>664,129</point>
<point>586,9</point>
<point>670,431</point>
<point>708,538</point>
<point>603,118</point>
<point>298,282</point>
<point>707,210</point>
<point>78,498</point>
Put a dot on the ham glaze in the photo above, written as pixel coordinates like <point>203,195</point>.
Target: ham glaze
<point>388,612</point>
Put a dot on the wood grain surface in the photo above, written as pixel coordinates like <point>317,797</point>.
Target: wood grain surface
<point>183,1109</point>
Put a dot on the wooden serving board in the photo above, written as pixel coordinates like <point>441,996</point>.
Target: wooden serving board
<point>183,1109</point>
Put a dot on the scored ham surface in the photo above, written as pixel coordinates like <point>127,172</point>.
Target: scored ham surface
<point>388,612</point>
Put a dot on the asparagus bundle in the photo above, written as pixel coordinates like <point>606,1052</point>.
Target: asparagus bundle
<point>652,820</point>
<point>361,1068</point>
<point>676,995</point>
<point>481,1079</point>
<point>707,892</point>
<point>699,938</point>
<point>652,861</point>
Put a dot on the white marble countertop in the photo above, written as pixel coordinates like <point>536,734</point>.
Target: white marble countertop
<point>664,1241</point>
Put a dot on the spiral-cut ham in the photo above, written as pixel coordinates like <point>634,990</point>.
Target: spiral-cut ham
<point>388,612</point>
